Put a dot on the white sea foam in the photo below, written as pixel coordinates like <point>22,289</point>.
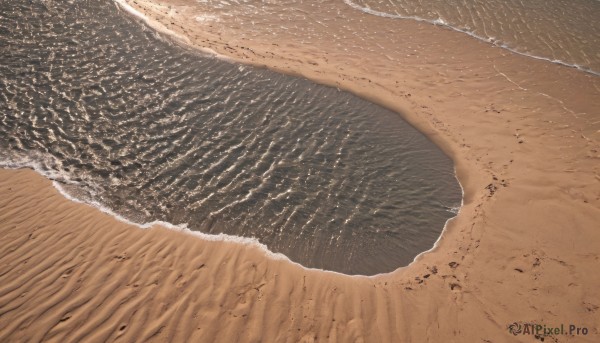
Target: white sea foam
<point>456,211</point>
<point>221,237</point>
<point>491,40</point>
<point>176,227</point>
<point>59,178</point>
<point>206,18</point>
<point>40,163</point>
<point>162,29</point>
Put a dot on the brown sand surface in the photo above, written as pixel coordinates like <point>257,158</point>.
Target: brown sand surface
<point>524,248</point>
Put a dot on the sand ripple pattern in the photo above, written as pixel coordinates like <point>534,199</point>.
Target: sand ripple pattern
<point>156,132</point>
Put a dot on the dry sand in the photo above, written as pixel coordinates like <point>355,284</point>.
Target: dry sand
<point>524,248</point>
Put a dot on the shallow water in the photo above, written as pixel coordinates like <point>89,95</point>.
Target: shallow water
<point>557,30</point>
<point>154,131</point>
<point>560,31</point>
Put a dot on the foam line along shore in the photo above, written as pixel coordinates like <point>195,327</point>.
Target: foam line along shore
<point>524,138</point>
<point>311,172</point>
<point>554,25</point>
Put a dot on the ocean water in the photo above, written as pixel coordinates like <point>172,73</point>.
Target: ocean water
<point>565,32</point>
<point>562,31</point>
<point>119,115</point>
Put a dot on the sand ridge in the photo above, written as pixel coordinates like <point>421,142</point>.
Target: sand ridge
<point>524,248</point>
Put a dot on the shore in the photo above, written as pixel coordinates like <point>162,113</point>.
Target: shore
<point>523,135</point>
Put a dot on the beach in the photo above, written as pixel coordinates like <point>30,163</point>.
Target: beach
<point>522,133</point>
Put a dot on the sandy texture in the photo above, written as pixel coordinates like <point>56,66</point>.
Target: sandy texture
<point>524,248</point>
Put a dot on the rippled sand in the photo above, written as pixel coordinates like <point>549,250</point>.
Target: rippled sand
<point>156,132</point>
<point>523,134</point>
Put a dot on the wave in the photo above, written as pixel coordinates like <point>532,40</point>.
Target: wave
<point>183,40</point>
<point>491,40</point>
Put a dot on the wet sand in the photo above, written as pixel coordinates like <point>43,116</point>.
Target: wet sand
<point>524,248</point>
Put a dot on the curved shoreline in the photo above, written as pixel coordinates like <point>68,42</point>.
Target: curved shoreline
<point>181,39</point>
<point>524,138</point>
<point>460,171</point>
<point>221,237</point>
<point>440,22</point>
<point>266,246</point>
